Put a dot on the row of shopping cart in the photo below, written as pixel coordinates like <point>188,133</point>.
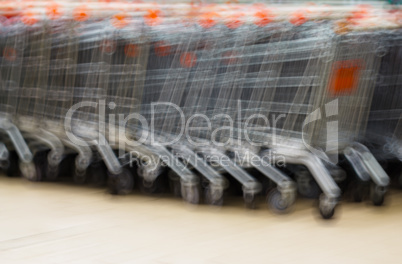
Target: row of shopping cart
<point>276,101</point>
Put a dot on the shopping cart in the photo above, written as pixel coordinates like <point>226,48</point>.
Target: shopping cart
<point>85,120</point>
<point>212,92</point>
<point>168,75</point>
<point>383,133</point>
<point>36,62</point>
<point>126,48</point>
<point>12,47</point>
<point>206,91</point>
<point>271,78</point>
<point>60,97</point>
<point>358,59</point>
<point>126,84</point>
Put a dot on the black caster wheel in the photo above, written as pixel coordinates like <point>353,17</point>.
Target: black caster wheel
<point>79,177</point>
<point>40,165</point>
<point>31,171</point>
<point>43,169</point>
<point>121,183</point>
<point>276,203</point>
<point>358,192</point>
<point>326,207</point>
<point>400,181</point>
<point>52,173</point>
<point>213,197</point>
<point>174,184</point>
<point>191,194</point>
<point>97,174</point>
<point>327,213</point>
<point>67,166</point>
<point>308,188</point>
<point>155,187</point>
<point>377,195</point>
<point>12,169</point>
<point>250,200</point>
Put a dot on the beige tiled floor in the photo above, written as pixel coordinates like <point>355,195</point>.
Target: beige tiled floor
<point>62,223</point>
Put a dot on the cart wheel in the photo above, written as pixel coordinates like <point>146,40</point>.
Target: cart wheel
<point>31,171</point>
<point>174,184</point>
<point>400,180</point>
<point>12,170</point>
<point>79,177</point>
<point>358,192</point>
<point>191,194</point>
<point>154,187</point>
<point>327,209</point>
<point>327,213</point>
<point>148,187</point>
<point>308,189</point>
<point>97,174</point>
<point>377,196</point>
<point>36,171</point>
<point>52,173</point>
<point>250,200</point>
<point>121,183</point>
<point>277,203</point>
<point>213,198</point>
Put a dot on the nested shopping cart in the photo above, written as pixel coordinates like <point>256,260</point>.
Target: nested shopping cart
<point>383,133</point>
<point>60,65</point>
<point>206,93</point>
<point>354,70</point>
<point>130,79</point>
<point>48,71</point>
<point>85,117</point>
<point>13,41</point>
<point>197,66</point>
<point>270,79</point>
<point>124,47</point>
<point>201,82</point>
<point>36,62</point>
<point>60,94</point>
